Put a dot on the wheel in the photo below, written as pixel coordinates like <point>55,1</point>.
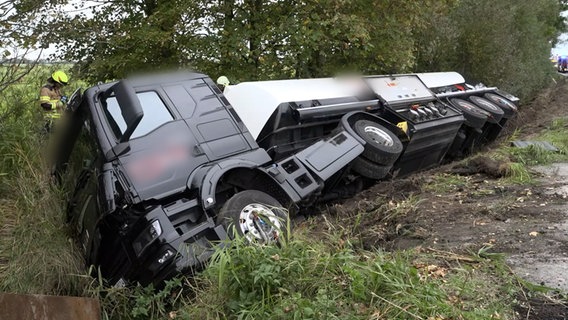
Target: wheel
<point>254,215</point>
<point>369,169</point>
<point>509,108</point>
<point>382,146</point>
<point>495,112</point>
<point>475,117</point>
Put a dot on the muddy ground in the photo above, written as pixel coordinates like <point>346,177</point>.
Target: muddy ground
<point>528,223</point>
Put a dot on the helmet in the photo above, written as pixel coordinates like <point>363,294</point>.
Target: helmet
<point>222,80</point>
<point>60,77</point>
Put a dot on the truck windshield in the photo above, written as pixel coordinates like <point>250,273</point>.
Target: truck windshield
<point>155,114</point>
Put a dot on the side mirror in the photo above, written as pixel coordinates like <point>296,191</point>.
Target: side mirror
<point>129,104</point>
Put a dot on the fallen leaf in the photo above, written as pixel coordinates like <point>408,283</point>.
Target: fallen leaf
<point>533,234</point>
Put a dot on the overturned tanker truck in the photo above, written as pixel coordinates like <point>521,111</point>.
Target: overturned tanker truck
<point>161,169</point>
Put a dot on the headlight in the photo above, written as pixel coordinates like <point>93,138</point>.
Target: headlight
<point>153,231</point>
<point>166,256</point>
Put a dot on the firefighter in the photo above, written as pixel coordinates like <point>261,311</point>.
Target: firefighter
<point>222,82</point>
<point>50,98</point>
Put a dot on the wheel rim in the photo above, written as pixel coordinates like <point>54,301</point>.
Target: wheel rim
<point>379,136</point>
<point>259,224</point>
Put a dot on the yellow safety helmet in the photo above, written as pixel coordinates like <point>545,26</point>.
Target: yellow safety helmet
<point>222,80</point>
<point>60,77</point>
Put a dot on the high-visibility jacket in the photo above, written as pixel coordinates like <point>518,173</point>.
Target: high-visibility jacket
<point>50,101</point>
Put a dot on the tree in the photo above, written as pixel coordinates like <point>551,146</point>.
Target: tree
<point>244,39</point>
<point>275,39</point>
<point>15,32</point>
<point>506,43</point>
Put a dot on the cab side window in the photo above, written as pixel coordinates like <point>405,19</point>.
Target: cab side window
<point>155,114</point>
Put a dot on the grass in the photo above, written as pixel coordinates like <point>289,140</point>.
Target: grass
<point>322,279</point>
<point>521,158</point>
<point>446,182</point>
<point>34,243</point>
<point>36,254</point>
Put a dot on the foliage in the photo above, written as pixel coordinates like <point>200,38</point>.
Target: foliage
<point>533,155</point>
<point>444,183</point>
<point>255,39</point>
<point>36,255</point>
<point>249,39</point>
<point>505,43</point>
<point>307,279</point>
<point>138,302</point>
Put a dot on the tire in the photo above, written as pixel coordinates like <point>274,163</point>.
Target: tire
<point>496,112</point>
<point>381,145</point>
<point>509,108</point>
<point>475,117</point>
<point>254,215</point>
<point>369,169</point>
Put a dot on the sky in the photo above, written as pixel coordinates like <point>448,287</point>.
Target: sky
<point>561,47</point>
<point>73,7</point>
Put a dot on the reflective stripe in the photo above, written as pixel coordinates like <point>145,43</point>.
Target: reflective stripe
<point>53,104</point>
<point>52,115</point>
<point>44,98</point>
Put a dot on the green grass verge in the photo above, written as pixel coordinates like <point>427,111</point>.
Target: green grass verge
<point>36,253</point>
<point>319,279</point>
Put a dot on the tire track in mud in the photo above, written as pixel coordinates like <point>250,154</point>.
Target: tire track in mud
<point>544,258</point>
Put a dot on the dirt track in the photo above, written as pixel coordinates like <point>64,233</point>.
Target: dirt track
<point>528,223</point>
<point>543,257</point>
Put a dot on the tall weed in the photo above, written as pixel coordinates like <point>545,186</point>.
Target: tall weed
<point>36,254</point>
<point>309,279</point>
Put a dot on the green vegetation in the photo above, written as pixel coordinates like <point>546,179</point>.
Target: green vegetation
<point>323,279</point>
<point>254,39</point>
<point>518,159</point>
<point>446,182</point>
<point>328,276</point>
<point>36,255</point>
<point>535,155</point>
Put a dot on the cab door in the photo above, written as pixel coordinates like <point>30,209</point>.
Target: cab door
<point>80,180</point>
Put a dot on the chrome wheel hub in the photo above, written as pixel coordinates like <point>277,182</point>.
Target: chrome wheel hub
<point>259,224</point>
<point>379,136</point>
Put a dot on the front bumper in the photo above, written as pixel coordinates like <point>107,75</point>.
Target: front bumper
<point>163,242</point>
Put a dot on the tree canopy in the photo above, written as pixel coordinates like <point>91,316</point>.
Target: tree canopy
<point>503,43</point>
